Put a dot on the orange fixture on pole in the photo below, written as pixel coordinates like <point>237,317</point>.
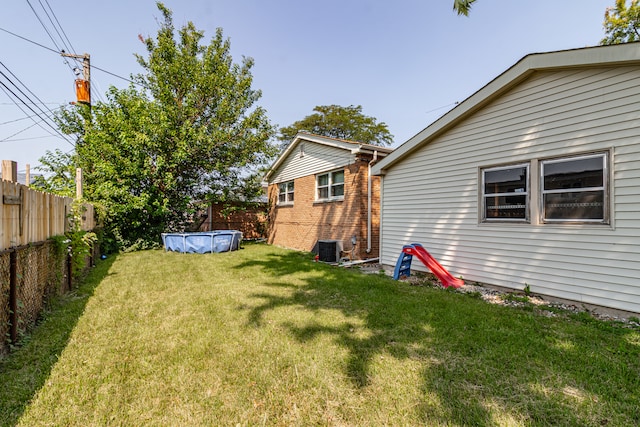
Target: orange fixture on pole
<point>83,85</point>
<point>83,91</point>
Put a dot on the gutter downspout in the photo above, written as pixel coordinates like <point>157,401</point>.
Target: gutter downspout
<point>369,185</point>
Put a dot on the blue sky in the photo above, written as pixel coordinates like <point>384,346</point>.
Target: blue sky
<point>406,62</point>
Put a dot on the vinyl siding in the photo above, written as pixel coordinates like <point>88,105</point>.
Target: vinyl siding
<point>431,197</point>
<point>317,158</point>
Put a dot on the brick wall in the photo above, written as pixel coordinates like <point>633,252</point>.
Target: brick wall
<point>302,224</point>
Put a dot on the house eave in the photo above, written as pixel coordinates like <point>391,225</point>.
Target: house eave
<point>601,56</point>
<point>351,146</point>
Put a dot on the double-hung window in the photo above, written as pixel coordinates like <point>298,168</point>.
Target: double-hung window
<point>330,185</point>
<point>505,195</point>
<point>575,189</point>
<point>285,192</point>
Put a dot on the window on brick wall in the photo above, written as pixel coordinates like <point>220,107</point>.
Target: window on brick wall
<point>285,192</point>
<point>330,185</point>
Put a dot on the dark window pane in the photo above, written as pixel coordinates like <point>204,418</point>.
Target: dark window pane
<point>506,207</point>
<point>337,177</point>
<point>583,205</point>
<point>337,190</point>
<point>505,181</point>
<point>578,173</point>
<point>323,180</point>
<point>323,193</point>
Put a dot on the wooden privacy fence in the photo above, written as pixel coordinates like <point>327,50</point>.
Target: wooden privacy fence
<point>32,267</point>
<point>30,216</point>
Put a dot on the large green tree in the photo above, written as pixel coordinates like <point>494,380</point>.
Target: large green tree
<point>340,122</point>
<point>622,23</point>
<point>60,174</point>
<point>186,132</point>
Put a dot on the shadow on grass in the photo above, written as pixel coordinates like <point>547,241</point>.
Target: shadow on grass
<point>25,370</point>
<point>482,364</point>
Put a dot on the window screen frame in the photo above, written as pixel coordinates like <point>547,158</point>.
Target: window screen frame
<point>605,188</point>
<point>527,194</point>
<point>288,193</point>
<point>331,186</point>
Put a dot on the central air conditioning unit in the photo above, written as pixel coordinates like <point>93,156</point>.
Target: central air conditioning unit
<point>329,250</point>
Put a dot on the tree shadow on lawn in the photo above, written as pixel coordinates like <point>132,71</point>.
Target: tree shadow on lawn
<point>26,369</point>
<point>479,362</point>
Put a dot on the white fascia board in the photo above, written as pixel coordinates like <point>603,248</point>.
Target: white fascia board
<point>302,136</point>
<point>622,54</point>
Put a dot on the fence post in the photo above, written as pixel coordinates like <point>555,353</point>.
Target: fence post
<point>69,270</point>
<point>13,296</point>
<point>10,170</point>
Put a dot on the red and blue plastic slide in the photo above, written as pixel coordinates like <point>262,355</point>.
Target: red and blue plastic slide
<point>403,266</point>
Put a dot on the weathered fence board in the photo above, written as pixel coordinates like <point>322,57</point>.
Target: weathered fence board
<point>29,216</point>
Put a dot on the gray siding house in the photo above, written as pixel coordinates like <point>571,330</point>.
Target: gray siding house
<point>533,180</point>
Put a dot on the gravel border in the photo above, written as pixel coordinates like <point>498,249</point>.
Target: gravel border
<point>515,298</point>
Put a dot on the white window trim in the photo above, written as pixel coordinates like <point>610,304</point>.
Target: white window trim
<point>605,188</point>
<point>329,186</point>
<point>287,200</point>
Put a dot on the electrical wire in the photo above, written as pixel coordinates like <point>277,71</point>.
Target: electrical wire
<point>8,139</point>
<point>58,22</point>
<point>57,52</point>
<point>16,96</point>
<point>30,41</point>
<point>27,117</point>
<point>25,139</point>
<point>115,75</point>
<point>43,25</point>
<point>8,91</point>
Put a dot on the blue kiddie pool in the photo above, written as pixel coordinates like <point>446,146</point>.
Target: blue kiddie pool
<point>203,241</point>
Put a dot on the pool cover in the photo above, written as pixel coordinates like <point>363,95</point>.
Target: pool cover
<point>203,242</point>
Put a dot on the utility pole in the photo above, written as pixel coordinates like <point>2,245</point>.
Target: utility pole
<point>83,85</point>
<point>83,96</point>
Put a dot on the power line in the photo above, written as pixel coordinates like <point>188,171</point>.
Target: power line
<point>43,26</point>
<point>27,97</point>
<point>58,52</point>
<point>24,139</point>
<point>43,103</point>
<point>58,22</point>
<point>7,139</point>
<point>115,75</point>
<point>7,91</point>
<point>30,41</point>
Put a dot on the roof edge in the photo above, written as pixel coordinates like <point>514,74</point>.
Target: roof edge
<point>351,146</point>
<point>620,54</point>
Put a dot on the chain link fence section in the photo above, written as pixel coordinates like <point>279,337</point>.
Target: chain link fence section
<point>35,270</point>
<point>4,300</point>
<point>41,273</point>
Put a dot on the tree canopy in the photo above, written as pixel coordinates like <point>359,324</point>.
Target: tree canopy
<point>339,122</point>
<point>186,132</point>
<point>60,178</point>
<point>622,23</point>
<point>462,7</point>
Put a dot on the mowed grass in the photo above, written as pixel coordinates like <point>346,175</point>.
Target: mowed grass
<point>265,336</point>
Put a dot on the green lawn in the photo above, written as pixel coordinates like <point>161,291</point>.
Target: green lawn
<point>265,336</point>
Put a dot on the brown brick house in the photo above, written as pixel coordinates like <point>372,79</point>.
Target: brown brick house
<point>322,196</point>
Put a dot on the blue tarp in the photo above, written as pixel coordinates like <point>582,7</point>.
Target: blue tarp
<point>203,242</point>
